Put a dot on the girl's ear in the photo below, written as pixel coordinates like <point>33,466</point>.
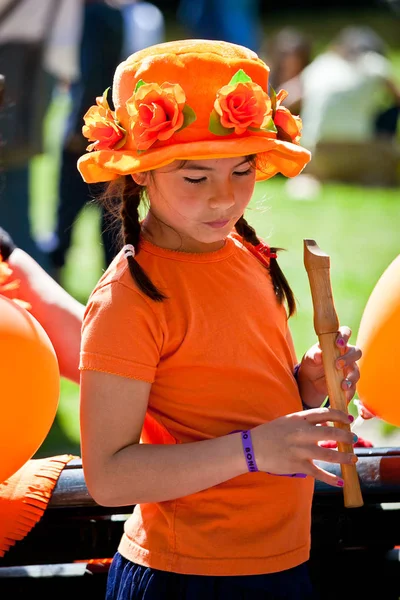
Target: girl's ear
<point>139,178</point>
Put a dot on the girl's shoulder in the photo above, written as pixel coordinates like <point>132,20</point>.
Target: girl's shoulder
<point>116,275</point>
<point>116,295</point>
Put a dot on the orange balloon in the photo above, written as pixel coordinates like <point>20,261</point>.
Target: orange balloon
<point>29,386</point>
<point>379,339</point>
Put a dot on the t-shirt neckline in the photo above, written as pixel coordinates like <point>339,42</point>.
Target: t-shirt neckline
<point>204,257</point>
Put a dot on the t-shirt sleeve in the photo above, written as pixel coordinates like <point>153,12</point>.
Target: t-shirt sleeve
<point>120,333</point>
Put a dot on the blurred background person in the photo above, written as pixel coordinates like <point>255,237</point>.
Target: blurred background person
<point>288,52</point>
<point>350,110</point>
<point>37,48</point>
<point>238,21</point>
<point>100,50</point>
<point>112,29</point>
<point>144,25</point>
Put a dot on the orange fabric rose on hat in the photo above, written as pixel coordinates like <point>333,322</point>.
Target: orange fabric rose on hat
<point>101,127</point>
<point>289,126</point>
<point>241,105</point>
<point>157,112</point>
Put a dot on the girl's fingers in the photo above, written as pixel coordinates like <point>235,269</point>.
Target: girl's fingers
<point>349,384</point>
<point>343,336</point>
<point>347,364</point>
<point>331,455</point>
<point>348,359</point>
<point>326,432</point>
<point>317,416</point>
<point>326,476</point>
<point>350,390</point>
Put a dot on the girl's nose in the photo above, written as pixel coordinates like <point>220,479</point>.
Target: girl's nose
<point>222,198</point>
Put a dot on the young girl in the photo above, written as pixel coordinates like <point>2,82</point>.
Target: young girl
<point>191,403</point>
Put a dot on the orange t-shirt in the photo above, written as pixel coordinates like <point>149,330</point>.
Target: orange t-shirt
<point>217,355</point>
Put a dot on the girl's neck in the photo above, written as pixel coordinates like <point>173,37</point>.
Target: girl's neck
<point>164,236</point>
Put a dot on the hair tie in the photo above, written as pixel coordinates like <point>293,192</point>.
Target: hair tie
<point>265,250</point>
<point>129,250</point>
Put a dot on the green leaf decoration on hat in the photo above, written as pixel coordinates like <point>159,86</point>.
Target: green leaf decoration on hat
<point>189,116</point>
<point>240,77</point>
<point>270,127</point>
<point>272,95</point>
<point>117,123</point>
<point>105,96</point>
<point>139,85</point>
<point>215,126</point>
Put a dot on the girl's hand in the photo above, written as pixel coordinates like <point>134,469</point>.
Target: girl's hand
<point>289,444</point>
<point>311,375</point>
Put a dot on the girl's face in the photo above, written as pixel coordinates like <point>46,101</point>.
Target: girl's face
<point>194,207</point>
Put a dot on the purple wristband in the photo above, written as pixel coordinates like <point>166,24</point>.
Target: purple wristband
<point>251,459</point>
<point>248,451</point>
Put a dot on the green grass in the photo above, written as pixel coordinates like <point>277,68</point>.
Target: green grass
<point>357,227</point>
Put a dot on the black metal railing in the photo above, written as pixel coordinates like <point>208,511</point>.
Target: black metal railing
<point>354,550</point>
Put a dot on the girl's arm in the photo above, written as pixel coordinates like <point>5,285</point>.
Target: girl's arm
<point>119,471</point>
<point>57,311</point>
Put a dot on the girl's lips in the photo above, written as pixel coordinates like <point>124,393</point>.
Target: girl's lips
<point>217,224</point>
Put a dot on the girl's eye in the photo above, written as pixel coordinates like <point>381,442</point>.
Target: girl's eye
<point>243,173</point>
<point>190,180</point>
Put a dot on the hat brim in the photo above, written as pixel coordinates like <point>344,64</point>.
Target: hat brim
<point>273,156</point>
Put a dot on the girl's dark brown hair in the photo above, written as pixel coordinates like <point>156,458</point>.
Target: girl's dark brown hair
<point>122,199</point>
<point>281,286</point>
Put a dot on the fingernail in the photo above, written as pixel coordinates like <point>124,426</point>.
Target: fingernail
<point>347,383</point>
<point>340,482</point>
<point>340,342</point>
<point>340,364</point>
<point>355,438</point>
<point>351,418</point>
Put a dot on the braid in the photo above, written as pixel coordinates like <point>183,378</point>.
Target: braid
<point>129,214</point>
<point>281,286</point>
<point>247,231</point>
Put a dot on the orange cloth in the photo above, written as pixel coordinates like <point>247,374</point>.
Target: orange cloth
<point>8,285</point>
<point>218,357</point>
<point>24,497</point>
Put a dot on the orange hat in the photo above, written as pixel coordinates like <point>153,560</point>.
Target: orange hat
<point>188,100</point>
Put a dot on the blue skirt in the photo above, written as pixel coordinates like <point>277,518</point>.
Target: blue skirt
<point>128,581</point>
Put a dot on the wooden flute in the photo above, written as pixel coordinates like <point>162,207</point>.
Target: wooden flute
<point>326,325</point>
